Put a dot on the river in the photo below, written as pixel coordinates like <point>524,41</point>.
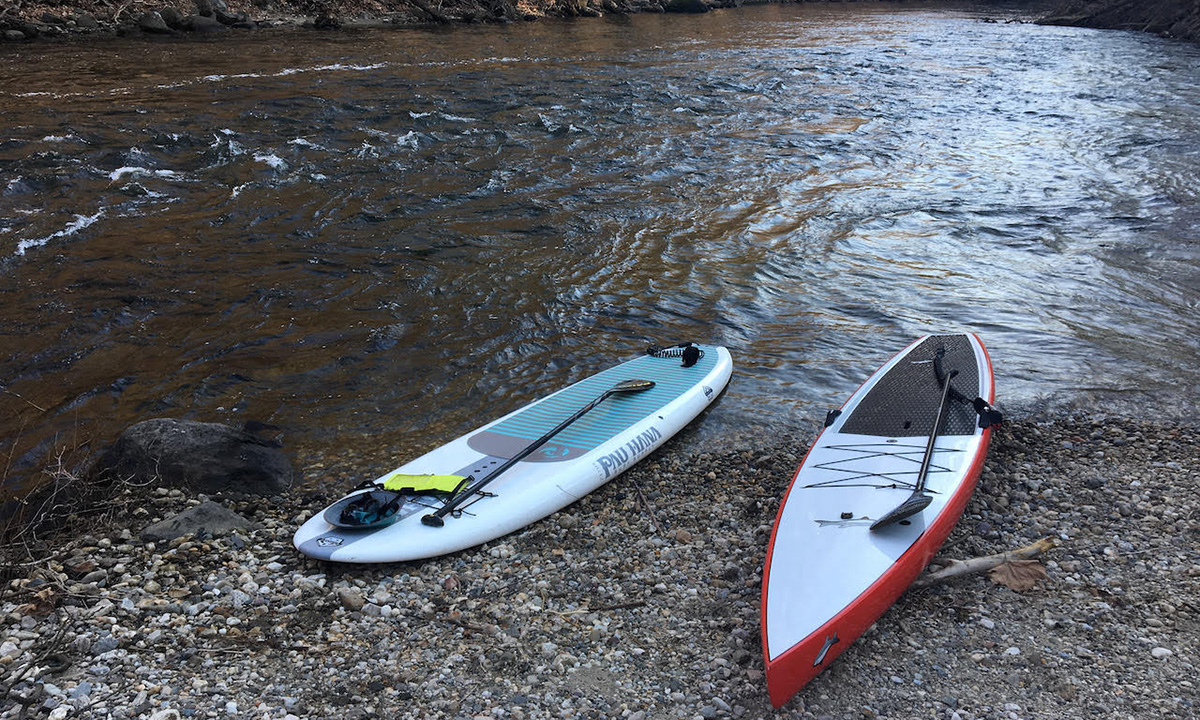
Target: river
<point>377,240</point>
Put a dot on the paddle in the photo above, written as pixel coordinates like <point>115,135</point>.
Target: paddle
<point>919,500</point>
<point>434,519</point>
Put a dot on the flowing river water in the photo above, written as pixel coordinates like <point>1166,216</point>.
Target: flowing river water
<point>377,240</point>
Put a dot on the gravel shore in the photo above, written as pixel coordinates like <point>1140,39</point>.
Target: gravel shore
<point>640,601</point>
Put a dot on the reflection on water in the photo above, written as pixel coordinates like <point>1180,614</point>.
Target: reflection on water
<point>379,240</point>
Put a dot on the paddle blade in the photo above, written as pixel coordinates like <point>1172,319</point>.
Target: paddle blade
<point>913,505</point>
<point>633,385</point>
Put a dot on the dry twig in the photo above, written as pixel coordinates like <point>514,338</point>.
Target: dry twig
<point>649,509</point>
<point>602,608</point>
<point>45,647</point>
<point>956,568</point>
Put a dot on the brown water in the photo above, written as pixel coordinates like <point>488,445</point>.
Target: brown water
<point>378,240</point>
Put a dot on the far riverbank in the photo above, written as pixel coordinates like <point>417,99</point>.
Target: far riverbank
<point>1168,18</point>
<point>48,19</point>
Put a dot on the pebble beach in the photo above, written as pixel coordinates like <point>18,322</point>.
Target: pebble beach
<point>641,601</point>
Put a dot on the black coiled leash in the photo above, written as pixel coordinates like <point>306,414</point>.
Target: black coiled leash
<point>689,352</point>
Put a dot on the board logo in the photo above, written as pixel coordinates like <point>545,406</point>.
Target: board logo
<point>329,541</point>
<point>708,392</point>
<point>555,452</point>
<point>615,461</point>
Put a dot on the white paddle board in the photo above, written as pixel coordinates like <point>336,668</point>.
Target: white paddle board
<point>618,431</point>
<point>828,574</point>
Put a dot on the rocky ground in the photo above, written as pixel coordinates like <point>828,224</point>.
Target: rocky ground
<point>641,601</point>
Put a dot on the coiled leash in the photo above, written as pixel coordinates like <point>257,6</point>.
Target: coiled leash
<point>689,352</point>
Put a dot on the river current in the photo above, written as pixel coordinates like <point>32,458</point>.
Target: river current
<point>377,240</point>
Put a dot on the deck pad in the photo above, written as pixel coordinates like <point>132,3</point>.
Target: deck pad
<point>510,435</point>
<point>904,401</point>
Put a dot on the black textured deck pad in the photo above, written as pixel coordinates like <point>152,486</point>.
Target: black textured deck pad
<point>904,402</point>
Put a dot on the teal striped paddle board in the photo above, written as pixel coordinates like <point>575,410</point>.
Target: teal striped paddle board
<point>374,524</point>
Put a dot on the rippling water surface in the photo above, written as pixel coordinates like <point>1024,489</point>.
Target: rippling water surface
<point>378,240</point>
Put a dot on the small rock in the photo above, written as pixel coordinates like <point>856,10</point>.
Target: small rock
<point>225,17</point>
<point>152,22</point>
<point>94,577</point>
<point>351,599</point>
<point>107,643</point>
<point>202,24</point>
<point>172,17</point>
<point>208,516</point>
<point>1161,653</point>
<point>686,6</point>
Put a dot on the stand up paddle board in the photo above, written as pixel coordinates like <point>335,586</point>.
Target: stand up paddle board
<point>875,497</point>
<point>524,466</point>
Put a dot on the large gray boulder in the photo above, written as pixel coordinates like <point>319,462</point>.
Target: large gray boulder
<point>201,457</point>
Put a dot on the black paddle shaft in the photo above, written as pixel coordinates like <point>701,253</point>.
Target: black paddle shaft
<point>933,434</point>
<point>918,501</point>
<point>434,519</point>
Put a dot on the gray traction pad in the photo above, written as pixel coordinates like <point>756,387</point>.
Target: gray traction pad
<point>904,402</point>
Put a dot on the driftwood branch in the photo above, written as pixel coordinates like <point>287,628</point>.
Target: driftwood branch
<point>601,608</point>
<point>955,568</point>
<point>430,11</point>
<point>6,391</point>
